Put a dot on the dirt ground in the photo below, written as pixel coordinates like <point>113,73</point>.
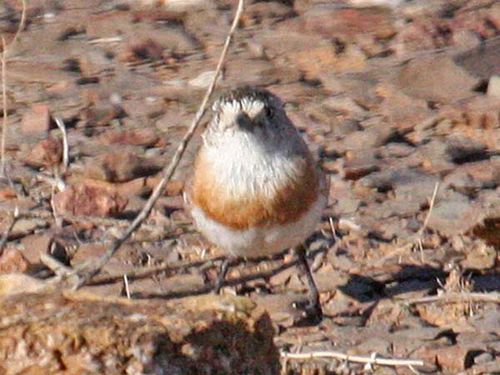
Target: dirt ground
<point>400,101</point>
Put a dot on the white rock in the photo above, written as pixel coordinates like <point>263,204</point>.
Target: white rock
<point>204,79</point>
<point>178,5</point>
<point>494,86</point>
<point>374,3</point>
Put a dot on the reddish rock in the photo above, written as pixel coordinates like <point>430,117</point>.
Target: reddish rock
<point>13,261</point>
<point>264,13</point>
<point>146,137</point>
<point>360,164</point>
<point>119,167</point>
<point>35,245</point>
<point>83,333</point>
<point>330,20</point>
<point>36,120</point>
<point>173,188</point>
<point>7,193</point>
<point>137,187</point>
<point>436,79</point>
<point>100,115</point>
<point>283,41</point>
<point>316,60</point>
<point>452,358</point>
<point>455,216</point>
<point>88,251</point>
<point>89,199</point>
<point>470,177</point>
<point>402,111</point>
<point>45,154</point>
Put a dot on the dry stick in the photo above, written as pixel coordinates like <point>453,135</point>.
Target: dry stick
<point>431,206</point>
<point>54,265</point>
<point>457,297</point>
<point>373,360</point>
<point>112,39</point>
<point>5,236</point>
<point>143,272</point>
<point>4,86</point>
<point>58,220</point>
<point>21,23</point>
<point>62,128</point>
<point>94,220</point>
<point>168,171</point>
<point>426,221</point>
<point>4,103</point>
<point>127,288</point>
<point>417,238</point>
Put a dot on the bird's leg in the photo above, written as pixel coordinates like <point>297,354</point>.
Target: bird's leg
<point>313,309</point>
<point>226,263</point>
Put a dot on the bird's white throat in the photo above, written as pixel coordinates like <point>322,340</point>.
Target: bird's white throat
<point>243,166</point>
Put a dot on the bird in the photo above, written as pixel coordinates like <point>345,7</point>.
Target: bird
<point>256,190</point>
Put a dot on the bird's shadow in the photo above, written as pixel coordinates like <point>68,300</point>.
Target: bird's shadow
<point>238,281</point>
<point>409,278</point>
<point>414,278</point>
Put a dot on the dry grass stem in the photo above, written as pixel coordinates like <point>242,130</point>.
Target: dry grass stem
<point>21,23</point>
<point>5,237</point>
<point>4,86</point>
<point>112,39</point>
<point>87,271</point>
<point>57,218</point>
<point>62,128</point>
<point>420,232</point>
<point>142,272</point>
<point>431,206</point>
<point>371,360</point>
<point>127,288</point>
<point>455,297</point>
<point>4,104</point>
<point>54,265</point>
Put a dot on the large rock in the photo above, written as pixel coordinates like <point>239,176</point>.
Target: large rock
<point>79,333</point>
<point>436,79</point>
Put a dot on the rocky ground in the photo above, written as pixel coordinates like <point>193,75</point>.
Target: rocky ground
<point>399,99</point>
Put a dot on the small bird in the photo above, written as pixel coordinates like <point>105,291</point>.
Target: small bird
<point>256,189</point>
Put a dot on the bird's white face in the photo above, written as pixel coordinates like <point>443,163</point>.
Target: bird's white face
<point>250,115</point>
<point>240,113</point>
<point>251,144</point>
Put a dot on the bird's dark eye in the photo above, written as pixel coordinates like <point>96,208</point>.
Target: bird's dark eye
<point>269,112</point>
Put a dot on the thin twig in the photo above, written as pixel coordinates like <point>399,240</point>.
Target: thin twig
<point>55,266</point>
<point>431,206</point>
<point>127,288</point>
<point>89,270</point>
<point>373,360</point>
<point>58,220</point>
<point>142,272</point>
<point>206,288</point>
<point>99,221</point>
<point>111,39</point>
<point>4,103</point>
<point>332,228</point>
<point>456,297</point>
<point>21,23</point>
<point>5,237</point>
<point>420,232</point>
<point>4,85</point>
<point>62,127</point>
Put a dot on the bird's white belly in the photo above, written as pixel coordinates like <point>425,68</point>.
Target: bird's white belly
<point>260,241</point>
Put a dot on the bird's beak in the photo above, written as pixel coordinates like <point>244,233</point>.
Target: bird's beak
<point>244,122</point>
